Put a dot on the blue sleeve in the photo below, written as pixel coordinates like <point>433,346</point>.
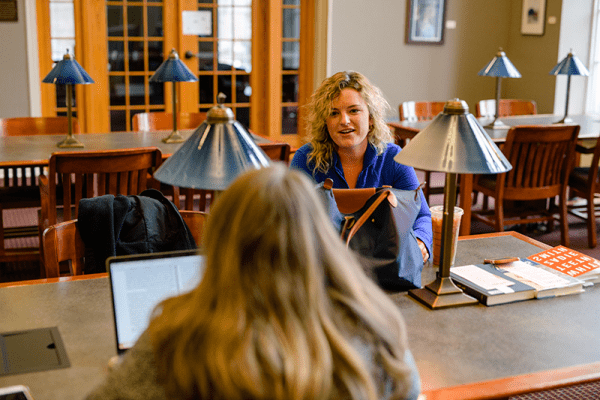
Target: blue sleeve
<point>406,179</point>
<point>299,161</point>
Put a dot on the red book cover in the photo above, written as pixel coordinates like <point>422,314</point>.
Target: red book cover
<point>569,262</point>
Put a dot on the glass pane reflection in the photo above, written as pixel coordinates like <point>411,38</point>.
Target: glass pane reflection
<point>242,115</point>
<point>155,18</point>
<point>136,56</point>
<point>224,86</point>
<point>289,120</point>
<point>117,90</point>
<point>205,56</point>
<point>243,90</point>
<point>290,55</point>
<point>289,88</point>
<point>157,92</point>
<point>206,89</point>
<point>135,20</point>
<point>242,56</point>
<point>291,23</point>
<point>137,91</point>
<point>118,120</point>
<point>114,20</point>
<point>242,23</point>
<point>116,56</point>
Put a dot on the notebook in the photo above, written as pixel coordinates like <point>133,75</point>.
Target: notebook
<point>140,282</point>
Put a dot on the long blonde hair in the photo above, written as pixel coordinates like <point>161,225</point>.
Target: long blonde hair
<point>278,307</point>
<point>319,110</point>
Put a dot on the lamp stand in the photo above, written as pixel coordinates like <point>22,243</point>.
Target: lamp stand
<point>496,123</point>
<point>175,136</point>
<point>565,119</point>
<point>443,293</point>
<point>70,141</point>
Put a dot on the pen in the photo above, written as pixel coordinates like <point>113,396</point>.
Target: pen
<point>500,260</point>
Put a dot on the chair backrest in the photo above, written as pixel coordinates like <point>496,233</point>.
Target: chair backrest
<point>541,157</point>
<point>161,121</point>
<point>23,177</point>
<point>94,173</point>
<point>413,111</point>
<point>403,134</point>
<point>508,107</point>
<point>24,126</point>
<point>64,249</point>
<point>276,151</point>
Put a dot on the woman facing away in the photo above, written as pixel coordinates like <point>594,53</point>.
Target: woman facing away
<point>351,143</point>
<point>283,311</point>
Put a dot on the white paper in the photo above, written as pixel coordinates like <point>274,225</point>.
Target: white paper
<point>197,23</point>
<point>482,278</point>
<point>539,276</point>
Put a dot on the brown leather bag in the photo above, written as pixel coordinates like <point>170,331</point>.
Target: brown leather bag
<point>377,224</point>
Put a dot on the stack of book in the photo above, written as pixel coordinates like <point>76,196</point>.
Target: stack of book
<point>555,272</point>
<point>569,262</point>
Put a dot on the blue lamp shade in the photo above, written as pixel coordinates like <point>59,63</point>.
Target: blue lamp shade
<point>570,65</point>
<point>214,155</point>
<point>173,70</point>
<point>68,71</point>
<point>454,142</point>
<point>500,66</point>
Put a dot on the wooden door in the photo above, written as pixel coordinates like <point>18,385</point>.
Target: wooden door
<point>257,52</point>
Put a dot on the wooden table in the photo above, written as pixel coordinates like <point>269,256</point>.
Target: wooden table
<point>590,128</point>
<point>457,346</point>
<point>36,150</point>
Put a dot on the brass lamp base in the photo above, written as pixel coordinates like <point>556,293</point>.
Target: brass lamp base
<point>174,137</point>
<point>496,124</point>
<point>565,120</point>
<point>70,142</point>
<point>442,293</point>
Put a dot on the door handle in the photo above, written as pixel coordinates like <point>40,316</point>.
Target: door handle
<point>189,54</point>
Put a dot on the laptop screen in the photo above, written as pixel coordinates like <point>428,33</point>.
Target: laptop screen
<point>139,282</point>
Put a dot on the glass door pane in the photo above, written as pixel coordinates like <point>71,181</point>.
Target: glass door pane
<point>290,65</point>
<point>135,51</point>
<point>225,56</point>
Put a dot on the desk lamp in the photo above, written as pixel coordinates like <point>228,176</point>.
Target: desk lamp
<point>214,155</point>
<point>455,143</point>
<point>68,72</point>
<point>173,70</point>
<point>570,65</point>
<point>500,67</point>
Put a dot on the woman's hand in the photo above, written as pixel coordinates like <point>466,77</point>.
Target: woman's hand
<point>424,251</point>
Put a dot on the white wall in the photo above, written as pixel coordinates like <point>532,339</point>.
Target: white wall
<point>19,77</point>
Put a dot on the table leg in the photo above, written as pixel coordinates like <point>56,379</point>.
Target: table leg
<point>465,202</point>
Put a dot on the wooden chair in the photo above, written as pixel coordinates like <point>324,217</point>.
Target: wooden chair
<point>19,185</point>
<point>414,111</point>
<point>276,151</point>
<point>542,157</point>
<point>162,121</point>
<point>508,107</point>
<point>92,173</point>
<point>585,183</point>
<point>64,249</point>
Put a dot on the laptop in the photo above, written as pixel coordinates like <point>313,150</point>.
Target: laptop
<point>140,282</point>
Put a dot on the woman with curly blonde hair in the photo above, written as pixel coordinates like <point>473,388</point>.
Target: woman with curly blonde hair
<point>283,311</point>
<point>351,143</point>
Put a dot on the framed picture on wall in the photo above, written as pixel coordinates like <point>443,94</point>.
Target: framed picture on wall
<point>425,20</point>
<point>533,17</point>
